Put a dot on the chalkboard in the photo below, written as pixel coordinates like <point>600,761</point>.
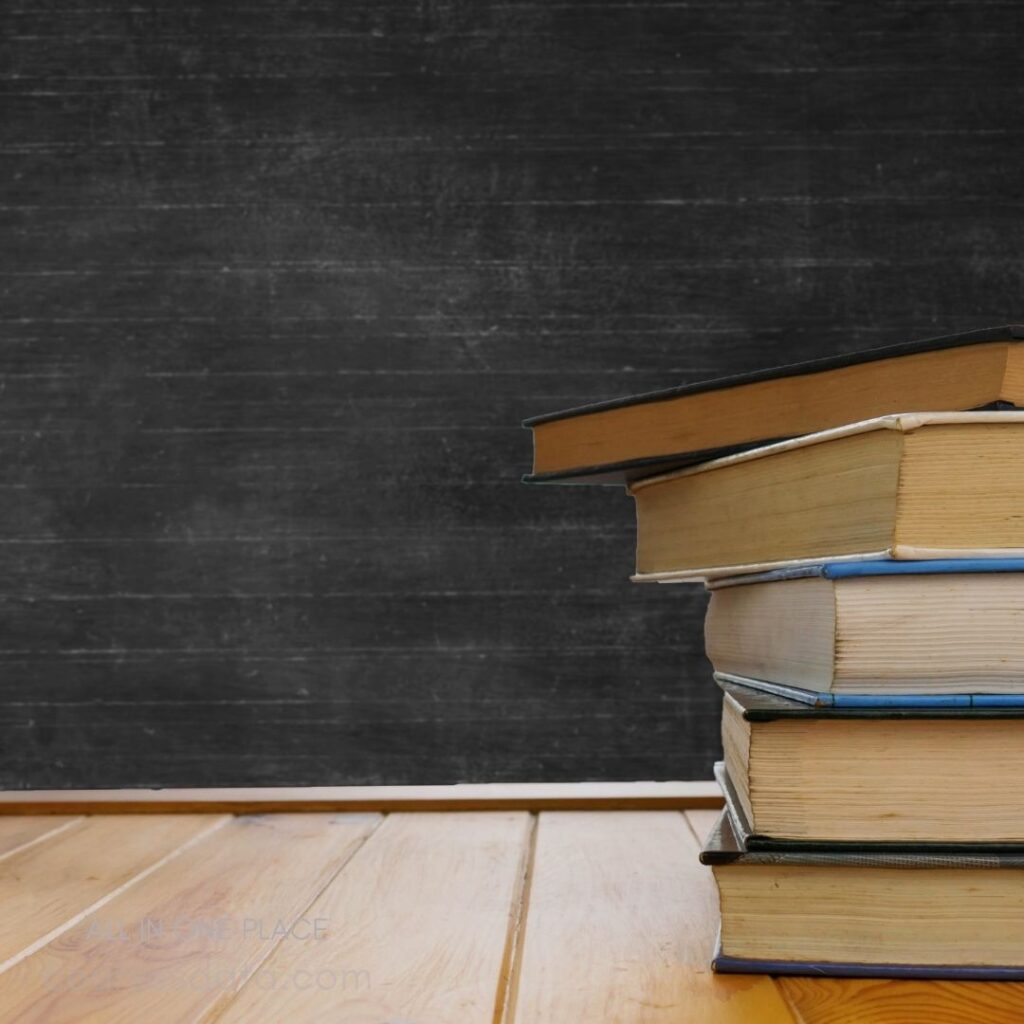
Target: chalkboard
<point>281,279</point>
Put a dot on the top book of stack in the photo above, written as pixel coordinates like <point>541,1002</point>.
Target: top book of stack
<point>628,439</point>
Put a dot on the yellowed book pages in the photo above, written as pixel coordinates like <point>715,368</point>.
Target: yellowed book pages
<point>913,634</point>
<point>923,485</point>
<point>612,441</point>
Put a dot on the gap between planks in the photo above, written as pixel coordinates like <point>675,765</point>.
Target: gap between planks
<point>508,981</point>
<point>427,911</point>
<point>619,924</point>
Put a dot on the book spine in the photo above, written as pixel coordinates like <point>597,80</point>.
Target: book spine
<point>723,964</point>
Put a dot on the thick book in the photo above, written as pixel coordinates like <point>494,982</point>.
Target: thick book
<point>943,632</point>
<point>758,842</point>
<point>906,487</point>
<point>621,440</point>
<point>914,914</point>
<point>892,775</point>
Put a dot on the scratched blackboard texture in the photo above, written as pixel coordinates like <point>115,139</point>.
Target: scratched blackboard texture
<point>281,279</point>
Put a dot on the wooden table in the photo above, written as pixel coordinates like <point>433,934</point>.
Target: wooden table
<point>460,905</point>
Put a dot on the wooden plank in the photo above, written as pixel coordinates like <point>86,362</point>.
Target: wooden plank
<point>526,796</point>
<point>620,926</point>
<point>174,946</point>
<point>419,928</point>
<point>46,885</point>
<point>876,1001</point>
<point>21,831</point>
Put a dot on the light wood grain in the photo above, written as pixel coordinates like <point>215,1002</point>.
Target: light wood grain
<point>531,796</point>
<point>451,918</point>
<point>621,925</point>
<point>21,831</point>
<point>45,886</point>
<point>874,1001</point>
<point>419,927</point>
<point>174,946</point>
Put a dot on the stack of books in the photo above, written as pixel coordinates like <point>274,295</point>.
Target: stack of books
<point>859,523</point>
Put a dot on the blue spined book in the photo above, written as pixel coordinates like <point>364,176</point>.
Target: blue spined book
<point>823,699</point>
<point>837,571</point>
<point>842,570</point>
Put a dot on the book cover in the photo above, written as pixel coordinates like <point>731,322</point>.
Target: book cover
<point>855,568</point>
<point>877,701</point>
<point>725,846</point>
<point>622,470</point>
<point>796,503</point>
<point>762,705</point>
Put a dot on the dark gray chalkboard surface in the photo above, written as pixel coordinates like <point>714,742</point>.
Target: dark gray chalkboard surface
<point>282,278</point>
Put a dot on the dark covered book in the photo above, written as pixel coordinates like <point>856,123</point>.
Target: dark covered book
<point>905,775</point>
<point>913,914</point>
<point>624,439</point>
<point>757,842</point>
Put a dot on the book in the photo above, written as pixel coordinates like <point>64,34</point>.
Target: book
<point>905,487</point>
<point>757,841</point>
<point>879,632</point>
<point>621,440</point>
<point>920,914</point>
<point>898,775</point>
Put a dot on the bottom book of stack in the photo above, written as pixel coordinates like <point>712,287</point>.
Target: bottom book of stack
<point>866,912</point>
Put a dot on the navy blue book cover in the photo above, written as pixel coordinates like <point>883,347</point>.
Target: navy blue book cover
<point>855,568</point>
<point>874,701</point>
<point>761,705</point>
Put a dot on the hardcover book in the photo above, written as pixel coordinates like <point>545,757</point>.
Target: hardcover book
<point>919,914</point>
<point>758,842</point>
<point>899,775</point>
<point>943,632</point>
<point>907,487</point>
<point>621,440</point>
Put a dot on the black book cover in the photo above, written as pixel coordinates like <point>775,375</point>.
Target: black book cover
<point>631,469</point>
<point>725,846</point>
<point>761,706</point>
